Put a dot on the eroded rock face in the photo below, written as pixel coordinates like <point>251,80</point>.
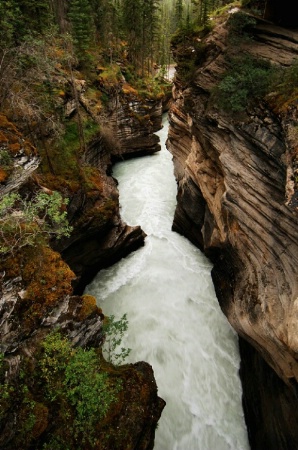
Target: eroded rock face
<point>134,123</point>
<point>101,238</point>
<point>236,201</point>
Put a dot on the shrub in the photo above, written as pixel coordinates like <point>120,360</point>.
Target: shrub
<point>26,222</point>
<point>246,80</point>
<point>74,378</point>
<point>114,331</point>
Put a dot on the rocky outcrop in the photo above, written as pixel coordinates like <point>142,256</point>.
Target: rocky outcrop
<point>236,201</point>
<point>136,412</point>
<point>135,123</point>
<point>18,157</point>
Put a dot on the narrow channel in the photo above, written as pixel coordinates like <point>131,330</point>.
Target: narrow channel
<point>175,322</point>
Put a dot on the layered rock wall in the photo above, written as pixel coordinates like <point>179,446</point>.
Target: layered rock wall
<point>235,201</point>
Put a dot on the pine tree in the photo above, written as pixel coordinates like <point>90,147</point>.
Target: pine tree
<point>107,21</point>
<point>132,26</point>
<point>36,15</point>
<point>82,26</point>
<point>151,28</point>
<point>59,12</point>
<point>179,13</point>
<point>10,20</point>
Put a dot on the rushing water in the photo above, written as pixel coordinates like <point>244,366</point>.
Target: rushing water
<point>175,322</point>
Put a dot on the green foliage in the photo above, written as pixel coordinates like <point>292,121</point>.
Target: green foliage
<point>20,18</point>
<point>74,377</point>
<point>179,13</point>
<point>10,18</point>
<point>74,386</point>
<point>110,76</point>
<point>205,8</point>
<point>140,24</point>
<point>246,80</point>
<point>192,53</point>
<point>88,391</point>
<point>6,161</point>
<point>6,390</point>
<point>65,154</point>
<point>5,158</point>
<point>114,331</point>
<point>27,222</point>
<point>9,394</point>
<point>71,134</point>
<point>29,81</point>
<point>80,15</point>
<point>56,352</point>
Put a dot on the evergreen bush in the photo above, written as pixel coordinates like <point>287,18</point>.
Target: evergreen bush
<point>246,80</point>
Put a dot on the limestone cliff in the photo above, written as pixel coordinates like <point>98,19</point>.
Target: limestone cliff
<point>237,191</point>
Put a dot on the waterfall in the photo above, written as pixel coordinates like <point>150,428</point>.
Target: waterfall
<point>175,322</point>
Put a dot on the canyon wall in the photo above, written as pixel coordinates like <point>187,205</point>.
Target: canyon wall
<point>237,200</point>
<point>128,129</point>
<point>41,285</point>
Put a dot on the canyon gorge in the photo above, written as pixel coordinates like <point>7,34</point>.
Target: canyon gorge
<point>237,184</point>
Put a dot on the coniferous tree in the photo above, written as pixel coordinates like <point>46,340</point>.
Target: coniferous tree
<point>132,27</point>
<point>36,15</point>
<point>205,7</point>
<point>179,13</point>
<point>59,12</point>
<point>10,20</point>
<point>82,25</point>
<point>152,26</point>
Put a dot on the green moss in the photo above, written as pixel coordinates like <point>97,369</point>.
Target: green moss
<point>47,280</point>
<point>88,307</point>
<point>150,88</point>
<point>101,213</point>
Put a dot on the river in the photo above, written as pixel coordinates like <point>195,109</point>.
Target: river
<point>175,322</point>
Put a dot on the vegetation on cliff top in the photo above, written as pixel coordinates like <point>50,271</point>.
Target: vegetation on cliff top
<point>72,388</point>
<point>247,79</point>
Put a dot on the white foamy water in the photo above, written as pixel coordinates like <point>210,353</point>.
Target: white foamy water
<point>175,322</point>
